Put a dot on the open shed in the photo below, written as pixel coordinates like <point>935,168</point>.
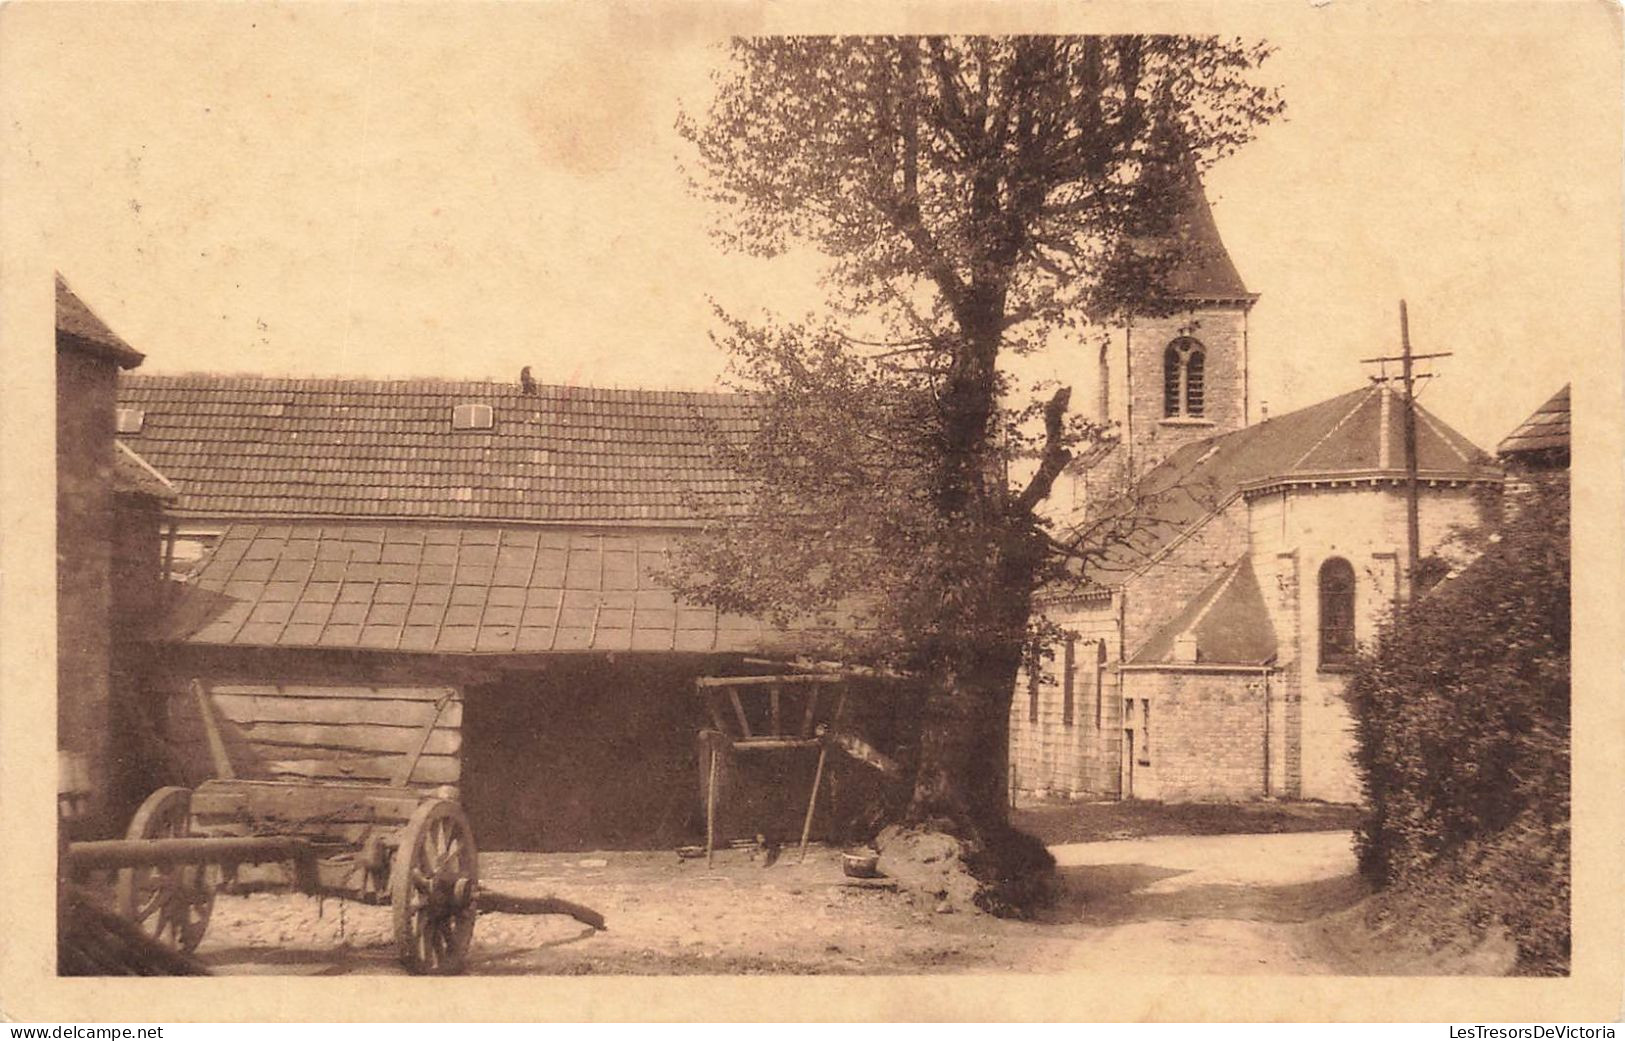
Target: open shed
<point>558,671</point>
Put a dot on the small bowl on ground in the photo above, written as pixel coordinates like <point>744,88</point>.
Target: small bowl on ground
<point>863,863</point>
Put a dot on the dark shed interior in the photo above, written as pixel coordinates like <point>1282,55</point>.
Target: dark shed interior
<point>586,751</point>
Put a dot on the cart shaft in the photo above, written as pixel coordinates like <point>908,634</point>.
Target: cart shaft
<point>130,853</point>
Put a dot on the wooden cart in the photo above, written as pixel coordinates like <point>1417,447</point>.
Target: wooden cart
<point>377,843</point>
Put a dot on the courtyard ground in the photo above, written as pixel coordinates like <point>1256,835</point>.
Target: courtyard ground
<point>1058,821</point>
<point>1250,903</point>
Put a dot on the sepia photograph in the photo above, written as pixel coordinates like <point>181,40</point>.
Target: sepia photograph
<point>715,492</point>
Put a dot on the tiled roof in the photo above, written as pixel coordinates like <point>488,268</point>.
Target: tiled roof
<point>266,448</point>
<point>1228,620</point>
<point>1205,270</point>
<point>477,588</point>
<point>1545,431</point>
<point>1358,436</point>
<point>134,475</point>
<point>84,330</point>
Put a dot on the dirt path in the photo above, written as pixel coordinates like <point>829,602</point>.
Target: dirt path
<point>1224,904</point>
<point>1228,904</point>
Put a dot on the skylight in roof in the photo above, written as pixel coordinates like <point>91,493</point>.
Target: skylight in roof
<point>472,417</point>
<point>129,420</point>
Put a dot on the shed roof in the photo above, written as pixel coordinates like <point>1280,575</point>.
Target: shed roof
<point>471,589</point>
<point>1546,431</point>
<point>264,448</point>
<point>1354,437</point>
<point>78,327</point>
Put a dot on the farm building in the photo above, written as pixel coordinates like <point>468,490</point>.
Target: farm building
<point>376,558</point>
<point>1541,442</point>
<point>109,501</point>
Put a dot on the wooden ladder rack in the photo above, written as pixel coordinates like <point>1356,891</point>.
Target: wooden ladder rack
<point>776,738</point>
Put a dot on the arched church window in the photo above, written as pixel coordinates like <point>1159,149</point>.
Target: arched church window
<point>1336,613</point>
<point>1183,367</point>
<point>1100,679</point>
<point>1105,384</point>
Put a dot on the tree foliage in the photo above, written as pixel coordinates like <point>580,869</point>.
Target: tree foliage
<point>974,196</point>
<point>1462,717</point>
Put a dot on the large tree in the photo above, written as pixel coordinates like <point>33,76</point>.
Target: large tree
<point>976,198</point>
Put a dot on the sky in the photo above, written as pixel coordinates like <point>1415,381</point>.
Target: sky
<point>421,191</point>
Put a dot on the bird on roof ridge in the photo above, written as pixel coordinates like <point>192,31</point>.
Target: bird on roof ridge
<point>527,382</point>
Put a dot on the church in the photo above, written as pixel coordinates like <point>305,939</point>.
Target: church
<point>1206,655</point>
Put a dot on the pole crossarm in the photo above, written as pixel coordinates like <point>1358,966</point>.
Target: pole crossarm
<point>1414,357</point>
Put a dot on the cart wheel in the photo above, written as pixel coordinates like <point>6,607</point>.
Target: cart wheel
<point>431,889</point>
<point>170,903</point>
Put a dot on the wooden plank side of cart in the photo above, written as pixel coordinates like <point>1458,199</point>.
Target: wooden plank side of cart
<point>317,732</point>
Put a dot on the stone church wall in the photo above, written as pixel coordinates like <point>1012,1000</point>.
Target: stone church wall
<point>1197,733</point>
<point>1174,580</point>
<point>1078,758</point>
<point>1293,533</point>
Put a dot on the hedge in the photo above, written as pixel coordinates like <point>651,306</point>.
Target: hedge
<point>1462,718</point>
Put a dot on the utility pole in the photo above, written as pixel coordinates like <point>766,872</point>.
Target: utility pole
<point>1413,517</point>
<point>1413,525</point>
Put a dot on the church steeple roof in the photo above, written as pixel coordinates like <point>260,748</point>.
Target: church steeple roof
<point>1203,268</point>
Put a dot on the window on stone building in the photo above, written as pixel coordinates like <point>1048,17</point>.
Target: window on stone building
<point>1336,613</point>
<point>1183,379</point>
<point>1035,670</point>
<point>1145,731</point>
<point>1100,680</point>
<point>1105,384</point>
<point>1068,676</point>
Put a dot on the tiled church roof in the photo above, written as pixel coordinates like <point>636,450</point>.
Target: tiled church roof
<point>1354,437</point>
<point>449,589</point>
<point>371,449</point>
<point>1227,621</point>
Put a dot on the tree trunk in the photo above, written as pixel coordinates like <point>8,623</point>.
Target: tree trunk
<point>964,772</point>
<point>962,779</point>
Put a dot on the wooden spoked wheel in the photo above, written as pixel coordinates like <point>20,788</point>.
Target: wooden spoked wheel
<point>172,902</point>
<point>432,887</point>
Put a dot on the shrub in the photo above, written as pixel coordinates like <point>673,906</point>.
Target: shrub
<point>1462,719</point>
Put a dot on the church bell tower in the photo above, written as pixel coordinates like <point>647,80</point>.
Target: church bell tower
<point>1180,374</point>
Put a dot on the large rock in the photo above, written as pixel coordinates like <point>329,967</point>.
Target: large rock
<point>929,865</point>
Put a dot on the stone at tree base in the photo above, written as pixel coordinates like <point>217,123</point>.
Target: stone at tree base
<point>929,865</point>
<point>1012,879</point>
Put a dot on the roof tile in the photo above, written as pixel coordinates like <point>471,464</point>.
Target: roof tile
<point>265,447</point>
<point>1547,431</point>
<point>352,609</point>
<point>1341,438</point>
